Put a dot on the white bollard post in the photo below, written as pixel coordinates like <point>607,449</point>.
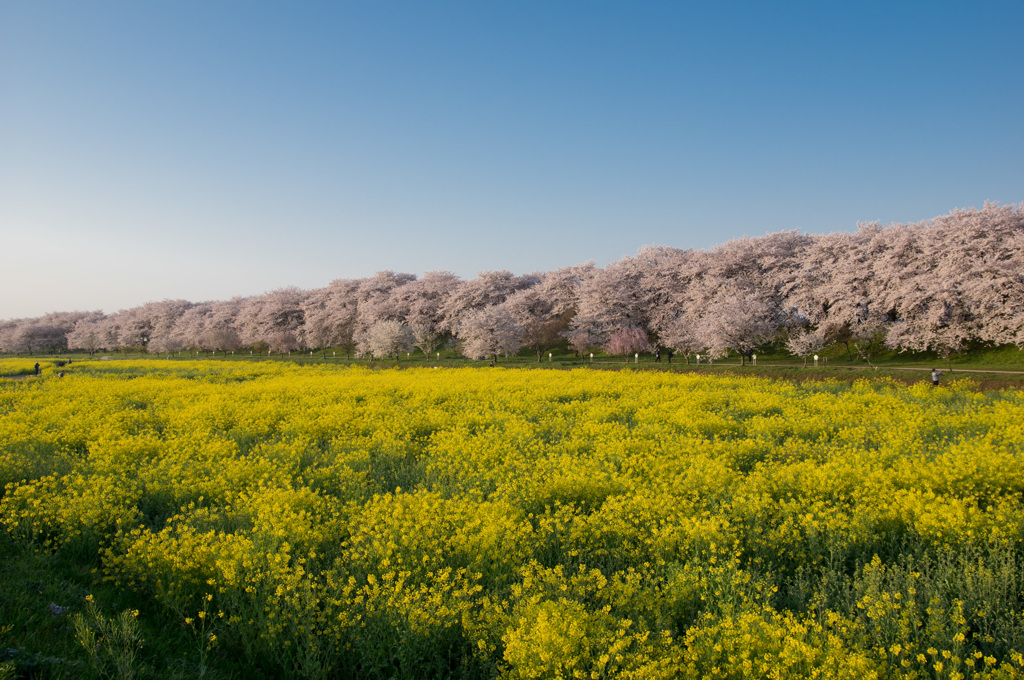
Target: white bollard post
<point>549,357</point>
<point>698,360</point>
<point>815,360</point>
<point>753,357</point>
<point>591,357</point>
<point>636,358</point>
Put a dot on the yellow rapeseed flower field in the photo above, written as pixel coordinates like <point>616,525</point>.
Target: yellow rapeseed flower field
<point>343,522</point>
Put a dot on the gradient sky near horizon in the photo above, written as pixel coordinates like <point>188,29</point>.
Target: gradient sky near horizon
<point>202,150</point>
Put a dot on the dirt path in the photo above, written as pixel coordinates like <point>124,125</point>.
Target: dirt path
<point>955,370</point>
<point>902,368</point>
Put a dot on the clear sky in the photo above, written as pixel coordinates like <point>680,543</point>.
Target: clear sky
<point>201,150</point>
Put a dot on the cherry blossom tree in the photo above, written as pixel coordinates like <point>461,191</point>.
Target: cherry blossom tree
<point>170,344</point>
<point>426,337</point>
<point>488,289</point>
<point>609,300</point>
<point>953,280</point>
<point>971,281</point>
<point>737,321</point>
<point>206,326</point>
<point>562,286</point>
<point>377,299</point>
<point>282,341</point>
<point>93,333</point>
<point>153,321</point>
<point>868,338</point>
<point>627,342</point>
<point>221,331</point>
<point>385,339</point>
<point>780,259</point>
<point>189,331</point>
<point>664,276</point>
<point>735,294</point>
<point>843,295</point>
<point>219,338</point>
<point>423,301</point>
<point>489,332</point>
<point>819,285</point>
<point>996,286</point>
<point>680,334</point>
<point>805,342</point>
<point>38,336</point>
<point>173,339</point>
<point>329,316</point>
<point>48,333</point>
<point>134,328</point>
<point>534,310</point>
<point>582,340</point>
<point>927,311</point>
<point>8,332</point>
<point>324,328</point>
<point>11,335</point>
<point>271,318</point>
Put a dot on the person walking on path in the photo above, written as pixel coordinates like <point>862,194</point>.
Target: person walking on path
<point>935,377</point>
<point>37,368</point>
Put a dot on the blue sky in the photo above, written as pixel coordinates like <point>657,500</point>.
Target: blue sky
<point>202,150</point>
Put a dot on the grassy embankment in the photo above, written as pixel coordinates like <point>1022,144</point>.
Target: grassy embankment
<point>989,368</point>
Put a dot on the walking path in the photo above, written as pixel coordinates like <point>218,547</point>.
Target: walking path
<point>955,370</point>
<point>906,368</point>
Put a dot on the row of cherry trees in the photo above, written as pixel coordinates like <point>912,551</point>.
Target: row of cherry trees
<point>937,285</point>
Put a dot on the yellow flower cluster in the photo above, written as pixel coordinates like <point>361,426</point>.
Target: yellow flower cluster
<point>537,524</point>
<point>13,366</point>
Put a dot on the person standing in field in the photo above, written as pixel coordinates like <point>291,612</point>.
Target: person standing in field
<point>935,377</point>
<point>37,368</point>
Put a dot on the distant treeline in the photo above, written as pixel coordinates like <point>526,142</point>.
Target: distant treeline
<point>937,285</point>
